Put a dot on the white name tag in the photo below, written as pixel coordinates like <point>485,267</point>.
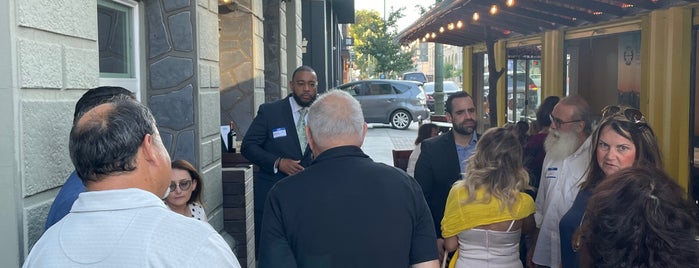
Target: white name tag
<point>279,132</point>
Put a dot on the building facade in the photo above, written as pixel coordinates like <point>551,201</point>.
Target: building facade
<point>197,64</point>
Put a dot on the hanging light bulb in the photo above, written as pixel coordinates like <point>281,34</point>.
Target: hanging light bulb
<point>450,26</point>
<point>476,16</point>
<point>423,39</point>
<point>459,24</point>
<point>441,29</point>
<point>434,35</point>
<point>493,9</point>
<point>510,3</point>
<point>427,35</point>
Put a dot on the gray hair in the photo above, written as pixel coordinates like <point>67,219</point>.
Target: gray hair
<point>582,110</point>
<point>335,115</point>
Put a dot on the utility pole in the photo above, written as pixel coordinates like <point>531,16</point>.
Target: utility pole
<point>438,77</point>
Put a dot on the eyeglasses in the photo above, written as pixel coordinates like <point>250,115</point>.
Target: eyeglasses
<point>631,114</point>
<point>184,185</point>
<point>560,122</point>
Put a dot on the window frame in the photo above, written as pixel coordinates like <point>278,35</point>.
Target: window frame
<point>132,83</point>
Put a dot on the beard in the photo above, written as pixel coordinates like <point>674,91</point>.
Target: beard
<point>560,145</point>
<point>302,103</point>
<point>463,129</point>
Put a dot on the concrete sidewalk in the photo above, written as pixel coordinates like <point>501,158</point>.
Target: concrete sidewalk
<point>382,139</point>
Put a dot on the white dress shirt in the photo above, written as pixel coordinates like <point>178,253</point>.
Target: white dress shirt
<point>560,182</point>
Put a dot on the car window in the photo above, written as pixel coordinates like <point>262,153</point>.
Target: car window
<point>420,77</point>
<point>429,88</point>
<point>450,87</point>
<point>380,89</point>
<point>354,89</point>
<point>401,88</point>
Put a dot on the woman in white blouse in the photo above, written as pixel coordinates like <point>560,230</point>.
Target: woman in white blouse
<point>185,191</point>
<point>426,131</point>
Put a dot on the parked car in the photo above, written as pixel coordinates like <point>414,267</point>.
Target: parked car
<point>449,88</point>
<point>395,102</point>
<point>415,76</point>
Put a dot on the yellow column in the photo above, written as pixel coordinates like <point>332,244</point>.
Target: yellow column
<point>552,64</point>
<point>501,62</point>
<point>665,86</point>
<point>467,69</point>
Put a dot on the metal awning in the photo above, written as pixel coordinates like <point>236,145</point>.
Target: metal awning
<point>452,21</point>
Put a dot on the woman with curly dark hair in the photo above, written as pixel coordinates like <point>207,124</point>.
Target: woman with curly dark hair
<point>639,217</point>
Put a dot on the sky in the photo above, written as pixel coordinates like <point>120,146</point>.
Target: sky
<point>411,13</point>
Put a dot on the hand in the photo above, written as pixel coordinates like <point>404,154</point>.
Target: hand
<point>440,249</point>
<point>290,166</point>
<point>530,255</point>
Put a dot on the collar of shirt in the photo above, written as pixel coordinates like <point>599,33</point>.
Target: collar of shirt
<point>116,199</point>
<point>295,107</point>
<point>464,152</point>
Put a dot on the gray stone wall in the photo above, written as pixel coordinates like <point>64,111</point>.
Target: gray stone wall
<point>241,64</point>
<point>54,57</point>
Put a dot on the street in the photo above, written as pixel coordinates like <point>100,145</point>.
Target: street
<point>382,139</point>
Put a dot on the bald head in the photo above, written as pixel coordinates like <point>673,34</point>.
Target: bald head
<point>105,140</point>
<point>335,119</point>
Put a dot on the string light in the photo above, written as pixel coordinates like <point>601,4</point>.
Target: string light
<point>441,29</point>
<point>476,16</point>
<point>510,3</point>
<point>450,26</point>
<point>493,9</point>
<point>434,35</point>
<point>459,24</point>
<point>423,39</point>
<point>427,35</point>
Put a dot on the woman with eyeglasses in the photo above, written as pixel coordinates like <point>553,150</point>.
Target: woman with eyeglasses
<point>622,140</point>
<point>185,191</point>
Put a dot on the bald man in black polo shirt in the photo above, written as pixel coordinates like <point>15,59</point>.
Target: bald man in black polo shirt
<point>345,210</point>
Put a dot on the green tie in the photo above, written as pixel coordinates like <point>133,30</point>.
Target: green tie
<point>301,128</point>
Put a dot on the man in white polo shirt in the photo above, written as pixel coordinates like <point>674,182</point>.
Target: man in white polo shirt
<point>121,220</point>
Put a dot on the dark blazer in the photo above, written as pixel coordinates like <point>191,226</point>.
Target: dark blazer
<point>437,168</point>
<point>272,135</point>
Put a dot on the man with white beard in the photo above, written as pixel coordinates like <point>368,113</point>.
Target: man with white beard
<point>567,156</point>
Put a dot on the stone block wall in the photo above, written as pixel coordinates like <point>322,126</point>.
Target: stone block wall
<point>241,64</point>
<point>54,58</point>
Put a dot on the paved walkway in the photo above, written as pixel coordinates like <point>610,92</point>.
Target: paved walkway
<point>382,139</point>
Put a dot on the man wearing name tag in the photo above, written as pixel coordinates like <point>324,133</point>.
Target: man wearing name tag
<point>276,140</point>
<point>567,157</point>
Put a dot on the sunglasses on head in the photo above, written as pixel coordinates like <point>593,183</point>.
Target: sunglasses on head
<point>631,114</point>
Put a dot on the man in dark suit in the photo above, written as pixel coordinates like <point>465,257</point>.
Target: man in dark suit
<point>276,141</point>
<point>442,158</point>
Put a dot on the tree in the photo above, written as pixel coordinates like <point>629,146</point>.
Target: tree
<point>451,71</point>
<point>375,50</point>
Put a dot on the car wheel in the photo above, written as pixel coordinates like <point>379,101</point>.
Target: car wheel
<point>401,119</point>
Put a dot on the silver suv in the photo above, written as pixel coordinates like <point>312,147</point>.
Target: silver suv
<point>395,102</point>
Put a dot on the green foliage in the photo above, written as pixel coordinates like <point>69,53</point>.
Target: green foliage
<point>450,71</point>
<point>375,50</point>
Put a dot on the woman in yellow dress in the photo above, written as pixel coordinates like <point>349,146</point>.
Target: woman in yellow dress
<point>487,211</point>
